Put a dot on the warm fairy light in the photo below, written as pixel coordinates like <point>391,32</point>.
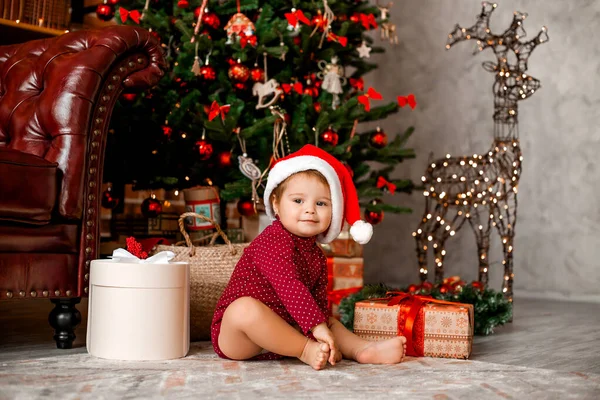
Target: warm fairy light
<point>176,193</point>
<point>187,178</point>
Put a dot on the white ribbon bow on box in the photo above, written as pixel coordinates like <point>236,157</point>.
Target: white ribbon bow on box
<point>122,255</point>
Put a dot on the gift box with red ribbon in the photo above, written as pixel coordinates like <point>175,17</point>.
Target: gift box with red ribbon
<point>343,246</point>
<point>344,273</point>
<point>433,328</point>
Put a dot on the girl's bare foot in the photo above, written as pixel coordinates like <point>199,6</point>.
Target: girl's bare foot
<point>389,351</point>
<point>315,354</point>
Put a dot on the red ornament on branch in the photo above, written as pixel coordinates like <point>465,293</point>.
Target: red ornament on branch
<point>374,217</point>
<point>246,207</point>
<point>224,159</point>
<point>257,74</point>
<point>151,207</point>
<point>205,149</point>
<point>207,72</point>
<point>329,137</point>
<point>211,19</point>
<point>108,200</point>
<point>130,97</point>
<point>105,12</point>
<point>239,72</point>
<point>183,4</point>
<point>378,139</point>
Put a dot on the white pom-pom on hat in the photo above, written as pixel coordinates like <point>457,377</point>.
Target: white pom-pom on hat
<point>343,193</point>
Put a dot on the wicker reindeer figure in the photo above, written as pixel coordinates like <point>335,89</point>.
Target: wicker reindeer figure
<point>482,189</point>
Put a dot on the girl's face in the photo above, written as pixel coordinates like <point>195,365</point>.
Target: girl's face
<point>304,208</point>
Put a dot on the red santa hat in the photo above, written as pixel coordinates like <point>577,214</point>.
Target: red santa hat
<point>344,200</point>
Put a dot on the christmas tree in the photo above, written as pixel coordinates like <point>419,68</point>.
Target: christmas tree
<point>249,82</point>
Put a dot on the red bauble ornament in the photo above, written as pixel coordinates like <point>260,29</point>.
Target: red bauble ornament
<point>205,149</point>
<point>373,217</point>
<point>167,130</point>
<point>105,12</point>
<point>311,91</point>
<point>183,4</point>
<point>129,96</point>
<point>355,18</point>
<point>329,137</point>
<point>239,72</point>
<point>478,285</point>
<point>224,159</point>
<point>378,139</point>
<point>240,86</point>
<point>317,106</point>
<point>151,208</point>
<point>112,2</point>
<point>108,200</point>
<point>207,72</point>
<point>197,13</point>
<point>211,19</point>
<point>412,288</point>
<point>246,207</point>
<point>257,74</point>
<point>297,40</point>
<point>445,288</point>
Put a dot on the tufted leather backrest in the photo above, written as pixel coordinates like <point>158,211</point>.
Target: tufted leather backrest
<point>49,89</point>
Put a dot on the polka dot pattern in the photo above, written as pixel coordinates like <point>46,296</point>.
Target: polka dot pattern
<point>284,271</point>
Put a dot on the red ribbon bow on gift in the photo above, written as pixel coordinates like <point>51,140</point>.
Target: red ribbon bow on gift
<point>371,94</point>
<point>296,16</point>
<point>134,15</point>
<point>287,88</point>
<point>382,182</point>
<point>340,39</point>
<point>367,20</point>
<point>216,110</point>
<point>410,100</point>
<point>245,39</point>
<point>414,303</point>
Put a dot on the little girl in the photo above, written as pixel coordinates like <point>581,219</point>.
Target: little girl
<point>275,304</point>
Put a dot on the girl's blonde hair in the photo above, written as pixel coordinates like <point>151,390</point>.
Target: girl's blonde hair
<point>311,173</point>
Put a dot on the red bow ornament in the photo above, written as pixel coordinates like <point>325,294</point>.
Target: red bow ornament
<point>331,37</point>
<point>371,94</point>
<point>358,84</point>
<point>134,15</point>
<point>216,110</point>
<point>410,100</point>
<point>384,183</point>
<point>368,20</point>
<point>296,16</point>
<point>287,88</point>
<point>247,39</point>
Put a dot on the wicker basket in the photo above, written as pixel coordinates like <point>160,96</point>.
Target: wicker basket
<point>210,269</point>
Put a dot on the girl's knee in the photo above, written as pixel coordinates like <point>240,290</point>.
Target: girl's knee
<point>244,309</point>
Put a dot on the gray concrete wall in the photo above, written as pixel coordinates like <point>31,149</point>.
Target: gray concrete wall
<point>557,248</point>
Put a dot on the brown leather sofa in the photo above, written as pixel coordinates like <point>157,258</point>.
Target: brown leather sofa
<point>56,99</point>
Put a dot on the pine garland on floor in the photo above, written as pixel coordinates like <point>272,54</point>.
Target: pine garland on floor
<point>490,307</point>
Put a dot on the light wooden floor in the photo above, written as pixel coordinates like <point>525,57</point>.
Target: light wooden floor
<point>562,336</point>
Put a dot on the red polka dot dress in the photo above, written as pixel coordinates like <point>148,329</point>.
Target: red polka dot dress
<point>285,272</point>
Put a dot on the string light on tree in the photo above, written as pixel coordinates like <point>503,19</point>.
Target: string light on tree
<point>108,200</point>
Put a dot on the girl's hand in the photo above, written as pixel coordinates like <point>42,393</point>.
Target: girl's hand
<point>323,334</point>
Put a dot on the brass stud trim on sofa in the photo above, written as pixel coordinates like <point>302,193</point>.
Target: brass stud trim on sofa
<point>22,293</point>
<point>88,250</point>
<point>90,210</point>
<point>105,98</point>
<point>68,293</point>
<point>87,263</point>
<point>121,69</point>
<point>110,87</point>
<point>45,293</point>
<point>9,294</point>
<point>99,120</point>
<point>86,277</point>
<point>92,184</point>
<point>33,293</point>
<point>89,236</point>
<point>57,292</point>
<point>93,157</point>
<point>140,60</point>
<point>93,170</point>
<point>131,64</point>
<point>90,223</point>
<point>116,77</point>
<point>92,197</point>
<point>85,289</point>
<point>101,109</point>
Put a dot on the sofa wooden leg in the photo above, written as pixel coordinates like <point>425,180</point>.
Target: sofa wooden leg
<point>64,318</point>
